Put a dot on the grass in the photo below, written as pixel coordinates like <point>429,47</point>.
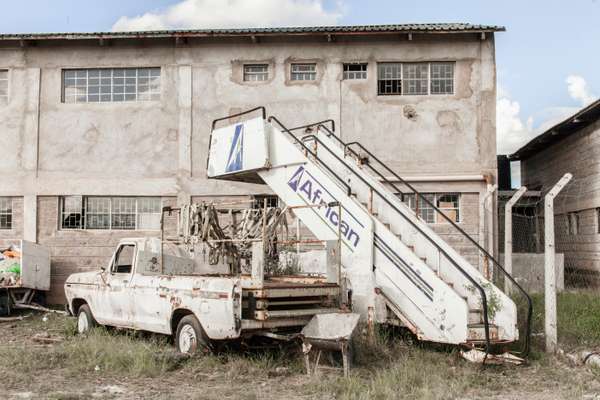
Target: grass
<point>578,315</point>
<point>387,365</point>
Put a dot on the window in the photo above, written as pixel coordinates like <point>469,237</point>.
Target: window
<point>573,223</point>
<point>355,71</point>
<point>442,78</point>
<point>111,85</point>
<point>256,72</point>
<point>3,86</point>
<point>389,78</point>
<point>5,213</point>
<point>124,259</point>
<point>448,203</point>
<point>415,78</point>
<point>123,213</point>
<point>304,72</point>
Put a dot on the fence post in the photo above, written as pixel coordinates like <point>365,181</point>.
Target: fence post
<point>550,323</point>
<point>508,235</point>
<point>484,221</point>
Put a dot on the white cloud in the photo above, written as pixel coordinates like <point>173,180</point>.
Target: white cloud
<point>199,14</point>
<point>578,90</point>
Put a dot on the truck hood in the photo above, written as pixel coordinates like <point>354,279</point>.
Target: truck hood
<point>84,277</point>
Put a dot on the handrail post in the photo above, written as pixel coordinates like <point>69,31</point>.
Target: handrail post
<point>550,323</point>
<point>508,235</point>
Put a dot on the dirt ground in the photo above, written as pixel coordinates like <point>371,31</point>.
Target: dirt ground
<point>42,358</point>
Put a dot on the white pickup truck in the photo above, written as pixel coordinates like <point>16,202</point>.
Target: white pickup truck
<point>143,288</point>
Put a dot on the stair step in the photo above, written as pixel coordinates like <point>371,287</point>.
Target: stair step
<point>424,259</point>
<point>387,225</point>
<point>476,332</point>
<point>411,247</point>
<point>475,316</point>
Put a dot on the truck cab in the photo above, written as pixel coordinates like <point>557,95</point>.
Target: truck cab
<point>144,288</point>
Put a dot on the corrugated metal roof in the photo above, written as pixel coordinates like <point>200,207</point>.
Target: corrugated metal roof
<point>348,29</point>
<point>560,131</point>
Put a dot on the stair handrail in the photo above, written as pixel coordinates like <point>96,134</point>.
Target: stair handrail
<point>312,153</point>
<point>414,225</point>
<point>315,124</point>
<point>347,148</point>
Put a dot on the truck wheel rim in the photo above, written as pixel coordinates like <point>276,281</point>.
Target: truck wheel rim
<point>82,323</point>
<point>187,338</point>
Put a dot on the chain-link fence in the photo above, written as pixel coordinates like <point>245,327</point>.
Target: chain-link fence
<point>577,246</point>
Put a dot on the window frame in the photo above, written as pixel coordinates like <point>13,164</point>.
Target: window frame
<point>6,213</point>
<point>303,73</point>
<point>434,197</point>
<point>4,99</point>
<point>402,87</point>
<point>82,219</point>
<point>116,83</point>
<point>355,75</point>
<point>254,73</point>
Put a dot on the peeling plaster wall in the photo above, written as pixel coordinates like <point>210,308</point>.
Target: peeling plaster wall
<point>159,148</point>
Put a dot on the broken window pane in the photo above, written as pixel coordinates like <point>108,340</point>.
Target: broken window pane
<point>389,78</point>
<point>71,212</point>
<point>448,204</point>
<point>355,71</point>
<point>5,212</point>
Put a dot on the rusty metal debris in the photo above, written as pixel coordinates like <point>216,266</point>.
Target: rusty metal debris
<point>480,357</point>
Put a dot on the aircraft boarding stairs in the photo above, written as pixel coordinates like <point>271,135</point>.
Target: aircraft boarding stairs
<point>394,261</point>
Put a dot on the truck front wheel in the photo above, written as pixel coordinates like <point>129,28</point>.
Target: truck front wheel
<point>190,337</point>
<point>85,319</point>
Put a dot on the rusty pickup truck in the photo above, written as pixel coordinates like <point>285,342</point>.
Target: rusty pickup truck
<point>143,288</point>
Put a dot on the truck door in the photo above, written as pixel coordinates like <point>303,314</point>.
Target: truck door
<point>119,294</point>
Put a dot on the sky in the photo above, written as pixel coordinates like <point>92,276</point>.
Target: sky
<point>547,60</point>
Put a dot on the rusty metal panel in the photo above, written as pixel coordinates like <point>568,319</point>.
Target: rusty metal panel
<point>35,266</point>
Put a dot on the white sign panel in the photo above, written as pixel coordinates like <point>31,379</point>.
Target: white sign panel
<point>238,148</point>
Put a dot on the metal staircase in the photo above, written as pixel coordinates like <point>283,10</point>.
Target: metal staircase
<point>390,255</point>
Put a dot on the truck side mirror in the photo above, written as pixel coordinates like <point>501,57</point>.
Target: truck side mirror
<point>102,269</point>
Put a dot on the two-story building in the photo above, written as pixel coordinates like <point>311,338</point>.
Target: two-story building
<point>99,130</point>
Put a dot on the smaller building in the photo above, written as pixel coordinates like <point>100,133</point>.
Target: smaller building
<point>572,146</point>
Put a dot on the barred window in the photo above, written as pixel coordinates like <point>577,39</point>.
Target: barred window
<point>3,86</point>
<point>256,72</point>
<point>304,72</point>
<point>122,213</point>
<point>448,203</point>
<point>111,85</point>
<point>442,78</point>
<point>415,78</point>
<point>355,71</point>
<point>389,78</point>
<point>5,212</point>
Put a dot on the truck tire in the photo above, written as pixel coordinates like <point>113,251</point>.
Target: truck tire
<point>190,337</point>
<point>85,319</point>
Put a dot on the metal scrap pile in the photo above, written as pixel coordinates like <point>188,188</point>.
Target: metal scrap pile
<point>10,267</point>
<point>199,225</point>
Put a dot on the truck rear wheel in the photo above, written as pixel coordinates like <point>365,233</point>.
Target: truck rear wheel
<point>85,319</point>
<point>190,337</point>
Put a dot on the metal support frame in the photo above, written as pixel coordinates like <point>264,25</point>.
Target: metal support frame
<point>508,236</point>
<point>550,321</point>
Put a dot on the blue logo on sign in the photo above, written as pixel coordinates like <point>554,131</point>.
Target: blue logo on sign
<point>307,187</point>
<point>235,159</point>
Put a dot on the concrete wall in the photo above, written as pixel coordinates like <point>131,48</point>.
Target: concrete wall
<point>578,154</point>
<point>440,142</point>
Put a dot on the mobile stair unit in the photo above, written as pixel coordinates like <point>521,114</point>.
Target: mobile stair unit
<point>398,268</point>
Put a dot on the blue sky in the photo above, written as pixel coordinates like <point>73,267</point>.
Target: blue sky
<point>545,42</point>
